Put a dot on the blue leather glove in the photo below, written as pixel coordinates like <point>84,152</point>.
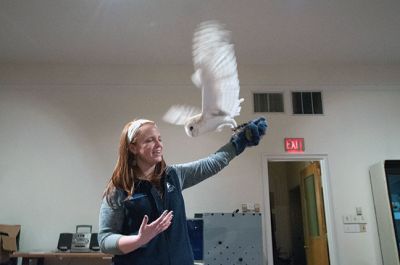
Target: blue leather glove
<point>249,135</point>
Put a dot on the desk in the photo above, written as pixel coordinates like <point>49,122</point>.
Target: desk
<point>40,256</point>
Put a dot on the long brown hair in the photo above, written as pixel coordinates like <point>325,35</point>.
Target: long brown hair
<point>126,172</point>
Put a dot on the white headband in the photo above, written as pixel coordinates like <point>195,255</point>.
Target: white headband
<point>134,127</point>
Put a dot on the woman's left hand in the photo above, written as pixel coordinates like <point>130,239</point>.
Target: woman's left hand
<point>148,231</point>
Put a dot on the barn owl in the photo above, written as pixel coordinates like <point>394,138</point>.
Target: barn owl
<point>215,73</point>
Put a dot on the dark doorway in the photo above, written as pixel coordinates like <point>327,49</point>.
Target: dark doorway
<point>286,212</point>
<point>296,224</point>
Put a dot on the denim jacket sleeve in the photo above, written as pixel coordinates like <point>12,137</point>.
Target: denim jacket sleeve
<point>194,172</point>
<point>110,224</point>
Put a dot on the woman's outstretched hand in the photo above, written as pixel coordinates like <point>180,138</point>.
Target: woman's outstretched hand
<point>249,135</point>
<point>148,231</point>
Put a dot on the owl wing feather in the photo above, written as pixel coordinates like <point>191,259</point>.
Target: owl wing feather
<point>180,114</point>
<point>216,70</point>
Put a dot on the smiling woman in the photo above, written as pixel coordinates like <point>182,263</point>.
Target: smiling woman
<point>142,217</point>
<point>147,149</point>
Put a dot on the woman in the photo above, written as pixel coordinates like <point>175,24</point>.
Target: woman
<point>142,217</point>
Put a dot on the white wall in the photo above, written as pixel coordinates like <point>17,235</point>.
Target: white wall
<point>60,126</point>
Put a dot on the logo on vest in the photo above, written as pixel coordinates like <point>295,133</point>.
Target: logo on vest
<point>170,187</point>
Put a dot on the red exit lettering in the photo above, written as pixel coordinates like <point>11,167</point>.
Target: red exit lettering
<point>294,145</point>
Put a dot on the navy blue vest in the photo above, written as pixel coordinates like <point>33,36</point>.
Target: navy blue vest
<point>172,247</point>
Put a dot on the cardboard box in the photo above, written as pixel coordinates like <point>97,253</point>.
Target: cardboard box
<point>9,241</point>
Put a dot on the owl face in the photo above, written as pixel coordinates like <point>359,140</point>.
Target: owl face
<point>192,129</point>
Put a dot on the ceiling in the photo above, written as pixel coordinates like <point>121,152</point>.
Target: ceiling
<point>151,32</point>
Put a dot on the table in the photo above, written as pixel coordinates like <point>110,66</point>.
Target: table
<point>40,256</point>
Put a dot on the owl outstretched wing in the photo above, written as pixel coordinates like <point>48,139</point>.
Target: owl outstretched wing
<point>216,70</point>
<point>180,114</point>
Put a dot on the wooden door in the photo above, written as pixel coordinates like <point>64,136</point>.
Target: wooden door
<point>315,236</point>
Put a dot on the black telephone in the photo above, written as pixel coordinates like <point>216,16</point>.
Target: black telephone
<point>79,241</point>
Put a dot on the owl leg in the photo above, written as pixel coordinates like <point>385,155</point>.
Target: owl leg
<point>221,126</point>
<point>228,122</point>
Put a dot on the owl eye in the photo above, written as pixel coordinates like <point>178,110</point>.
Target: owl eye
<point>191,128</point>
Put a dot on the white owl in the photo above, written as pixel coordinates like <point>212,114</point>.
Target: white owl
<point>215,72</point>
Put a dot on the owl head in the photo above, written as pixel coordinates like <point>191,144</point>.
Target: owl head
<point>192,126</point>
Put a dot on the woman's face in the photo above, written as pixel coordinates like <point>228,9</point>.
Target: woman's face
<point>147,146</point>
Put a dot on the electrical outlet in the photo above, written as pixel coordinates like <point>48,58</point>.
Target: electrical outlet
<point>347,219</point>
<point>361,219</point>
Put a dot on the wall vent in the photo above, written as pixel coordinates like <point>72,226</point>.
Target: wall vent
<point>268,102</point>
<point>307,102</point>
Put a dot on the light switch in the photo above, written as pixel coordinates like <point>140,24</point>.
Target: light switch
<point>355,228</point>
<point>351,228</point>
<point>363,227</point>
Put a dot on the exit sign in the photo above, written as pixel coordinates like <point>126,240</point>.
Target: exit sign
<point>294,145</point>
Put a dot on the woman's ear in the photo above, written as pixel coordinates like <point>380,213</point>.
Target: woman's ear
<point>132,148</point>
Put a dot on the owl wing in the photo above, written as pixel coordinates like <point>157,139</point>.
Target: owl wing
<point>216,70</point>
<point>179,114</point>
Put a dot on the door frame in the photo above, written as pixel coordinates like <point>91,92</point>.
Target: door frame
<point>328,205</point>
